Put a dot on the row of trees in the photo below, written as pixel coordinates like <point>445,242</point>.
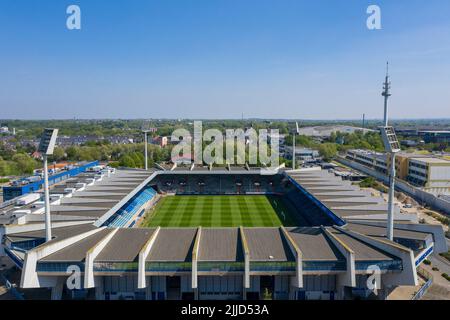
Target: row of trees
<point>129,155</point>
<point>19,164</point>
<point>16,163</point>
<point>340,142</point>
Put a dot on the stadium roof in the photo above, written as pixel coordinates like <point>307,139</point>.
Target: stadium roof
<point>314,244</point>
<point>219,244</point>
<point>174,245</point>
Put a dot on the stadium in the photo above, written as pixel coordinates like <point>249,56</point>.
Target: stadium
<point>217,233</point>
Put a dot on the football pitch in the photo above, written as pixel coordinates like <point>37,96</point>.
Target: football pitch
<point>219,211</point>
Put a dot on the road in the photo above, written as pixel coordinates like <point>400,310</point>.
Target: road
<point>440,262</point>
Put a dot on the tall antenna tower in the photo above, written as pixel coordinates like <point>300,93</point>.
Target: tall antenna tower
<point>392,146</point>
<point>386,94</point>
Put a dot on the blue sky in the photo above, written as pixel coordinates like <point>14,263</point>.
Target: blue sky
<point>219,58</point>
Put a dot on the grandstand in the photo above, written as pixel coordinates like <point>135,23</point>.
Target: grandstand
<point>216,233</point>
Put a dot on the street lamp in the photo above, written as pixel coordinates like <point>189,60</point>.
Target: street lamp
<point>46,147</point>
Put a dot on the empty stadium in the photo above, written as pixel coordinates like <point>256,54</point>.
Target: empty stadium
<point>220,211</point>
<point>218,233</point>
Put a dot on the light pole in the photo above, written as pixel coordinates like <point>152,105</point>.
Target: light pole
<point>145,148</point>
<point>46,147</point>
<point>392,146</point>
<point>296,131</point>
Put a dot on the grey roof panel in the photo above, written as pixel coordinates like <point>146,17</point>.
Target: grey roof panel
<point>57,233</point>
<point>173,244</point>
<point>267,244</point>
<point>377,231</point>
<point>77,252</point>
<point>314,244</point>
<point>125,245</point>
<point>220,244</point>
<point>363,251</point>
<point>341,194</point>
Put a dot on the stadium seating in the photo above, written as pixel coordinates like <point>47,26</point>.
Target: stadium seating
<point>229,184</point>
<point>308,213</point>
<point>132,207</point>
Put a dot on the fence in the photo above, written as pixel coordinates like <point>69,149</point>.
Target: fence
<point>11,288</point>
<point>426,275</point>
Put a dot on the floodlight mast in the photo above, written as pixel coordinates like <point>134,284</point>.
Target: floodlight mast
<point>392,147</point>
<point>46,147</point>
<point>48,227</point>
<point>296,131</point>
<point>146,151</point>
<point>145,130</point>
<point>390,222</point>
<point>293,152</point>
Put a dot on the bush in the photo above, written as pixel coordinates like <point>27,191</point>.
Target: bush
<point>435,269</point>
<point>4,180</point>
<point>114,164</point>
<point>427,262</point>
<point>368,182</point>
<point>446,276</point>
<point>438,217</point>
<point>446,255</point>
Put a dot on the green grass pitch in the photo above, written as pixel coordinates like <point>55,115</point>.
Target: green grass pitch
<point>219,211</point>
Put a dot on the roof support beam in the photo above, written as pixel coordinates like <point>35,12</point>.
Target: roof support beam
<point>298,257</point>
<point>29,277</point>
<point>90,257</point>
<point>246,258</point>
<point>143,254</point>
<point>440,245</point>
<point>195,251</point>
<point>350,277</point>
<point>408,276</point>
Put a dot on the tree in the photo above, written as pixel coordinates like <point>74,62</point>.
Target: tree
<point>127,161</point>
<point>327,150</point>
<point>58,154</point>
<point>24,163</point>
<point>5,168</point>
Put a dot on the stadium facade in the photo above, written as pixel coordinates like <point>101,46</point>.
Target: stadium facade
<point>339,241</point>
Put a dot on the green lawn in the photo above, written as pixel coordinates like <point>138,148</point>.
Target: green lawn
<point>219,211</point>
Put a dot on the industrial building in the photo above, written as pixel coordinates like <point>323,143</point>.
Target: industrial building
<point>302,155</point>
<point>435,136</point>
<point>34,183</point>
<point>427,172</point>
<point>340,240</point>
